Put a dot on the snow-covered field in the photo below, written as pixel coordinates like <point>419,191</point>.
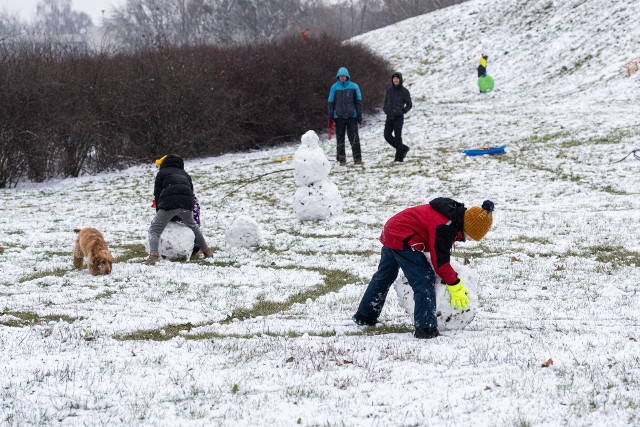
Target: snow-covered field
<point>263,336</point>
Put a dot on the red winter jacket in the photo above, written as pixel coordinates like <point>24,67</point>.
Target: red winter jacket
<point>432,228</point>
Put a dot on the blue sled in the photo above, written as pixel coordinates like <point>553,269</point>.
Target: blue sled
<point>489,150</point>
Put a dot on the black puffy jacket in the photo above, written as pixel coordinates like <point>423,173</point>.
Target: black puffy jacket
<point>397,99</point>
<point>173,188</point>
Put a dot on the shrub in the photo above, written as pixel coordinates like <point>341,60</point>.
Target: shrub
<point>65,114</point>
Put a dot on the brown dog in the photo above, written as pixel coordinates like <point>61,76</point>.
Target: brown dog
<point>91,243</point>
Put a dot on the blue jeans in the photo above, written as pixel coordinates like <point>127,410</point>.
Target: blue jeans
<point>421,278</point>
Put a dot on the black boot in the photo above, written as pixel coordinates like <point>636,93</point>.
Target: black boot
<point>427,333</point>
<point>401,153</point>
<point>361,320</point>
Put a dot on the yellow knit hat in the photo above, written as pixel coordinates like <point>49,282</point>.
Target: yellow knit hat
<point>478,220</point>
<point>159,161</point>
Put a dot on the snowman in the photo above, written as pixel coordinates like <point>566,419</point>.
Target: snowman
<point>448,318</point>
<point>316,198</point>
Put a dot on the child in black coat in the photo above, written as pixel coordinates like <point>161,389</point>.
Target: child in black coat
<point>173,196</point>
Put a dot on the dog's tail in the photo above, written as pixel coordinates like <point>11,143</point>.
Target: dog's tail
<point>77,230</point>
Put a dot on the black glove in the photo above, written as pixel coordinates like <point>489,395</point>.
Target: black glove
<point>359,119</point>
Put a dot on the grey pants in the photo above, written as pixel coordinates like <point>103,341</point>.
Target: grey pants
<point>161,220</point>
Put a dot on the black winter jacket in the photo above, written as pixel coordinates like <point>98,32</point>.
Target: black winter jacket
<point>397,99</point>
<point>173,188</point>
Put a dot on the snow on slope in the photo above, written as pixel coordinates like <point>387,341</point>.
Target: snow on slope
<point>536,48</point>
<point>558,273</point>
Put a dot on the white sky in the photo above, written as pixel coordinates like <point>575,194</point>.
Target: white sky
<point>27,8</point>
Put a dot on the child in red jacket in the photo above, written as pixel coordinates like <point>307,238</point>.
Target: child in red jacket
<point>432,228</point>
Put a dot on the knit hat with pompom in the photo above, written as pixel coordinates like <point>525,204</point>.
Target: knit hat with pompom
<point>478,220</point>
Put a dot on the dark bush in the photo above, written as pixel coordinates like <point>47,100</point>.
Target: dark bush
<point>63,115</point>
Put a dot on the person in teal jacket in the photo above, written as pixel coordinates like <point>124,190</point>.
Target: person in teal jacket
<point>345,109</point>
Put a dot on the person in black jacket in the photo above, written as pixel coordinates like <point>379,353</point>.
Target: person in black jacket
<point>173,195</point>
<point>397,102</point>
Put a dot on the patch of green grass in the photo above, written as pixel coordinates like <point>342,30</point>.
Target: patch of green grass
<point>334,280</point>
<point>162,334</point>
<point>609,189</point>
<point>576,65</point>
<point>537,240</point>
<point>384,330</point>
<point>615,255</point>
<point>614,137</point>
<point>61,253</point>
<point>542,139</point>
<point>300,392</point>
<point>131,251</point>
<point>272,249</point>
<point>104,295</point>
<point>357,253</point>
<point>217,263</point>
<point>463,254</point>
<point>312,235</point>
<point>59,272</point>
<point>29,318</point>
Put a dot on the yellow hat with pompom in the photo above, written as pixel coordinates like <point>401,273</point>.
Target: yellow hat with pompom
<point>478,220</point>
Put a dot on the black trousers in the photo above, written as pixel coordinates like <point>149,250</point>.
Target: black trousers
<point>350,127</point>
<point>393,132</point>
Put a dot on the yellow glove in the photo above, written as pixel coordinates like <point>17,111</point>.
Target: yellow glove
<point>459,298</point>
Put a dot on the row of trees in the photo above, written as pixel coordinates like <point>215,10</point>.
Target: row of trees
<point>65,114</point>
<point>195,77</point>
<point>52,18</point>
<point>223,22</point>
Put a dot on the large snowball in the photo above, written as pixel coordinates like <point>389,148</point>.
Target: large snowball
<point>448,318</point>
<point>176,242</point>
<point>244,233</point>
<point>309,162</point>
<point>317,201</point>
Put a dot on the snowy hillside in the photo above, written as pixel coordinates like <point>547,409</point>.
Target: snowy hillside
<point>263,336</point>
<point>537,49</point>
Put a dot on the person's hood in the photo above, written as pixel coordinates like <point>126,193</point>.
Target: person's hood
<point>398,75</point>
<point>451,209</point>
<point>343,72</point>
<point>172,161</point>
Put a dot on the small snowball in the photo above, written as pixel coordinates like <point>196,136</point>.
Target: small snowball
<point>244,232</point>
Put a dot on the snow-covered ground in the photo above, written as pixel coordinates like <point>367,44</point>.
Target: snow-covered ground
<point>263,337</point>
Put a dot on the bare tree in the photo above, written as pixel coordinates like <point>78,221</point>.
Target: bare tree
<point>226,22</point>
<point>10,25</point>
<point>56,17</point>
<point>145,23</point>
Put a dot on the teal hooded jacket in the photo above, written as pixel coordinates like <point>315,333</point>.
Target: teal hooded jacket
<point>345,99</point>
